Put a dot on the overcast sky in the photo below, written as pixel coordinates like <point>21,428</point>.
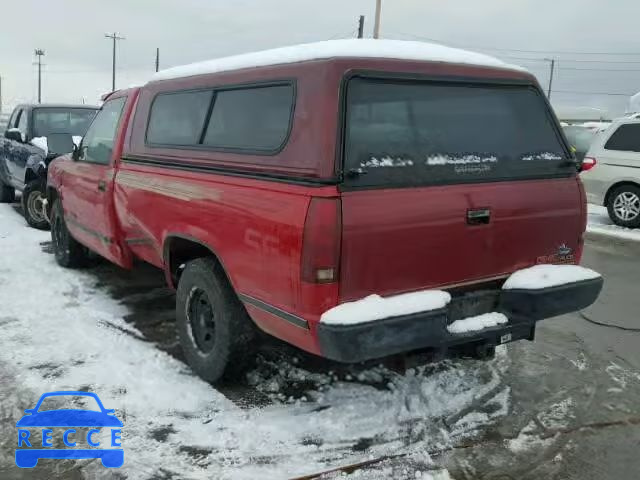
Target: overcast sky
<point>78,57</point>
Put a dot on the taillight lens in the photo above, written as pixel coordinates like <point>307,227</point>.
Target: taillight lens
<point>321,241</point>
<point>588,163</point>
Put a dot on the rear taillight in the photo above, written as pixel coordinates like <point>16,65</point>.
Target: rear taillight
<point>588,163</point>
<point>321,241</point>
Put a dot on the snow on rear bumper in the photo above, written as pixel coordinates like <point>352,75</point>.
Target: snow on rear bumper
<point>524,307</point>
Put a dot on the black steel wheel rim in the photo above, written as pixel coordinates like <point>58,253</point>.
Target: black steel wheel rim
<point>201,319</point>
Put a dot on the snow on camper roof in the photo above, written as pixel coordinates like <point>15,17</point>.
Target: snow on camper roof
<point>363,48</point>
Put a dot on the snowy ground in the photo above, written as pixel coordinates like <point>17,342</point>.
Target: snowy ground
<point>60,331</point>
<point>600,223</point>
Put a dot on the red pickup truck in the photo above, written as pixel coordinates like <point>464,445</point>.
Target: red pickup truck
<point>357,199</point>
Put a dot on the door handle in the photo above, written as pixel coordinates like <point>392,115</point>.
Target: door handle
<point>478,216</point>
<point>102,186</point>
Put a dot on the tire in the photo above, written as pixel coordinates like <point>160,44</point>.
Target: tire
<point>33,195</point>
<point>68,251</point>
<point>623,206</point>
<point>7,193</point>
<point>221,346</point>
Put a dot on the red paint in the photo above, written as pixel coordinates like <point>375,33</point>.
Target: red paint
<point>388,241</point>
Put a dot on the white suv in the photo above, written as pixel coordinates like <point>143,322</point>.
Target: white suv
<point>611,171</point>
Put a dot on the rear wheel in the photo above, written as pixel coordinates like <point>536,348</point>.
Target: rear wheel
<point>33,198</point>
<point>215,331</point>
<point>7,193</point>
<point>68,251</point>
<point>624,206</point>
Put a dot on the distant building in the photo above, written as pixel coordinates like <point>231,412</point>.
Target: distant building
<point>634,104</point>
<point>581,114</point>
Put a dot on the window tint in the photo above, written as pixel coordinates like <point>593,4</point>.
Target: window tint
<point>626,138</point>
<point>250,119</point>
<point>22,122</point>
<point>98,142</point>
<point>178,118</point>
<point>418,133</point>
<point>15,118</point>
<point>73,121</point>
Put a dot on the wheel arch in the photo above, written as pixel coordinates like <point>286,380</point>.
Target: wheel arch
<point>620,183</point>
<point>177,249</point>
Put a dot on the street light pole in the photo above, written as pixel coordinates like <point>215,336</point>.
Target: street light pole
<point>113,36</point>
<point>376,26</point>
<point>553,66</point>
<point>39,53</point>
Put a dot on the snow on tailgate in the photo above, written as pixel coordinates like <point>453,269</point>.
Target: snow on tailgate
<point>359,48</point>
<point>543,276</point>
<point>375,307</point>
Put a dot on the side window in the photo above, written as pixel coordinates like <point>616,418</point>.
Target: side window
<point>15,118</point>
<point>626,138</point>
<point>97,144</point>
<point>251,118</point>
<point>22,122</point>
<point>178,118</point>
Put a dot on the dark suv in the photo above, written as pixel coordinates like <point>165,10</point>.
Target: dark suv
<point>34,136</point>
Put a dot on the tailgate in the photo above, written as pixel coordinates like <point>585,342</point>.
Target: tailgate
<point>448,183</point>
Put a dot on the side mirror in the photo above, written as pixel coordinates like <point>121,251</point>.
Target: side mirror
<point>14,134</point>
<point>30,410</point>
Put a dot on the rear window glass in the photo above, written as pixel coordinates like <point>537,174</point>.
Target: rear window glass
<point>626,138</point>
<point>425,133</point>
<point>178,118</point>
<point>73,121</point>
<point>251,119</point>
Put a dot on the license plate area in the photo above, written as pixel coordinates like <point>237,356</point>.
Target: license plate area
<point>471,304</point>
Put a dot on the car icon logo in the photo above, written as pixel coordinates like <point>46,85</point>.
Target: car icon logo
<point>40,425</point>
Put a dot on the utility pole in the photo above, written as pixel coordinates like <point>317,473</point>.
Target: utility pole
<point>39,53</point>
<point>0,94</point>
<point>113,36</point>
<point>157,59</point>
<point>553,66</point>
<point>361,27</point>
<point>376,26</point>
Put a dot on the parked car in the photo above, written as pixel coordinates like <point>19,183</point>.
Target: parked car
<point>34,136</point>
<point>611,172</point>
<point>353,198</point>
<point>580,139</point>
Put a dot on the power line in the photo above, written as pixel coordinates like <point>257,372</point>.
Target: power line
<point>594,93</point>
<point>545,52</point>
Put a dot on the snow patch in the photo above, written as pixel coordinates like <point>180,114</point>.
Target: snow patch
<point>375,307</point>
<point>600,223</point>
<point>459,160</point>
<point>387,161</point>
<point>542,156</point>
<point>41,143</point>
<point>356,48</point>
<point>543,276</point>
<point>480,322</point>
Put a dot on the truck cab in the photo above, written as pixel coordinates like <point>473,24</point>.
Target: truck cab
<point>33,136</point>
